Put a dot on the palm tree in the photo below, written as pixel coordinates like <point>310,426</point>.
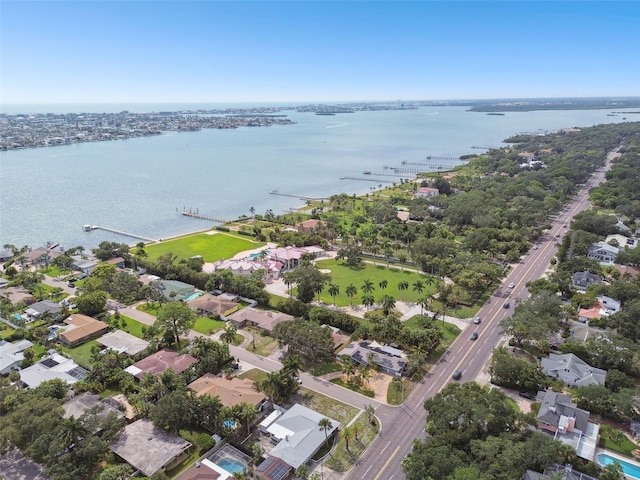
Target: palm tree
<point>418,287</point>
<point>356,430</point>
<point>291,365</point>
<point>347,365</point>
<point>388,304</point>
<point>383,284</point>
<point>402,286</point>
<point>368,300</point>
<point>272,386</point>
<point>351,292</point>
<point>228,335</point>
<point>367,286</point>
<point>334,291</point>
<point>364,373</point>
<point>325,425</point>
<point>347,434</point>
<point>370,412</point>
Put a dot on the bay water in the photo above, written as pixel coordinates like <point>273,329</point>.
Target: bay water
<point>140,185</point>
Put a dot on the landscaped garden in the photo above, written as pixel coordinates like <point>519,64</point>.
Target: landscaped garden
<point>212,247</point>
<point>343,275</point>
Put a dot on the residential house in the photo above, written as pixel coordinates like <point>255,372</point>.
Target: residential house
<point>84,264</point>
<point>15,466</point>
<point>51,367</point>
<point>572,371</point>
<point>388,359</point>
<point>622,241</point>
<point>4,282</point>
<point>150,449</point>
<point>291,257</point>
<point>11,355</point>
<point>298,434</point>
<point>310,226</point>
<point>274,468</point>
<point>426,192</point>
<point>37,309</point>
<point>604,253</point>
<point>230,391</point>
<point>581,280</point>
<point>80,404</point>
<point>5,255</point>
<point>247,266</point>
<point>560,417</point>
<point>82,328</point>
<point>38,255</point>
<point>627,271</point>
<point>558,472</point>
<point>123,342</point>
<point>160,361</point>
<point>118,262</point>
<point>213,305</point>
<point>202,470</point>
<point>176,290</point>
<point>263,319</point>
<point>604,307</point>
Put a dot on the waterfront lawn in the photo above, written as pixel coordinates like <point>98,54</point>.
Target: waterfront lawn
<point>211,247</point>
<point>54,271</point>
<point>342,275</point>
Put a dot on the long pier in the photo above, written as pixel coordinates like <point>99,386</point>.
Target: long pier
<point>430,157</point>
<point>211,218</point>
<point>299,197</point>
<point>88,228</point>
<point>362,179</point>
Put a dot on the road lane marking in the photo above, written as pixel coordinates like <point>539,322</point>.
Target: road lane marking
<point>386,464</point>
<point>365,473</point>
<point>385,447</point>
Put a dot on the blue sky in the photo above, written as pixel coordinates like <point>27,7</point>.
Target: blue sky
<point>217,51</point>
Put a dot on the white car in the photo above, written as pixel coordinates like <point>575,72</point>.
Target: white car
<point>511,285</point>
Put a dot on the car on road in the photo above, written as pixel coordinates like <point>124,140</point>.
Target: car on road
<point>506,305</point>
<point>477,320</point>
<point>511,285</point>
<point>71,285</point>
<point>457,375</point>
<point>474,336</point>
<point>298,380</point>
<point>535,247</point>
<point>527,395</point>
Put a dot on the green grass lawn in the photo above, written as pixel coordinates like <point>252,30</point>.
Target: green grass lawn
<point>207,326</point>
<point>342,275</point>
<point>616,440</point>
<point>54,271</point>
<point>211,247</point>
<point>133,327</point>
<point>82,353</point>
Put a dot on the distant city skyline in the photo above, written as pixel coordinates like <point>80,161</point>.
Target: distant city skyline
<point>302,51</point>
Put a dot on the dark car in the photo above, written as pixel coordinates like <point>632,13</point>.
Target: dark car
<point>71,285</point>
<point>506,305</point>
<point>527,395</point>
<point>457,375</point>
<point>474,336</point>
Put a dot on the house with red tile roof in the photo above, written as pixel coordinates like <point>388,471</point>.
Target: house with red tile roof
<point>160,361</point>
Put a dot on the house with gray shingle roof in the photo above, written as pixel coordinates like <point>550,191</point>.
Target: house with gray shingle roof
<point>581,280</point>
<point>572,370</point>
<point>604,253</point>
<point>299,435</point>
<point>390,360</point>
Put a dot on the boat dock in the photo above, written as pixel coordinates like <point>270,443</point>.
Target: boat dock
<point>196,214</point>
<point>300,197</point>
<point>88,228</point>
<point>362,179</point>
<point>430,157</point>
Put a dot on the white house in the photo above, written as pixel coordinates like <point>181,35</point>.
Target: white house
<point>572,371</point>
<point>604,253</point>
<point>11,355</point>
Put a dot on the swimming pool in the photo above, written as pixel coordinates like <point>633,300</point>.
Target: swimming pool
<point>193,296</point>
<point>629,469</point>
<point>253,256</point>
<point>231,465</point>
<point>229,423</point>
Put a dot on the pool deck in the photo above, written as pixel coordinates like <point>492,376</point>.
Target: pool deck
<point>617,456</point>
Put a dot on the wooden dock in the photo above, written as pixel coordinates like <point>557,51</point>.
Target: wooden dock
<point>300,197</point>
<point>368,179</point>
<point>196,214</point>
<point>88,228</point>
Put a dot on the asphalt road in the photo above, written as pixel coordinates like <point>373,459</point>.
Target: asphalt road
<point>400,425</point>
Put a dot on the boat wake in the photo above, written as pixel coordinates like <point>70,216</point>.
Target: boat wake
<point>337,126</point>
